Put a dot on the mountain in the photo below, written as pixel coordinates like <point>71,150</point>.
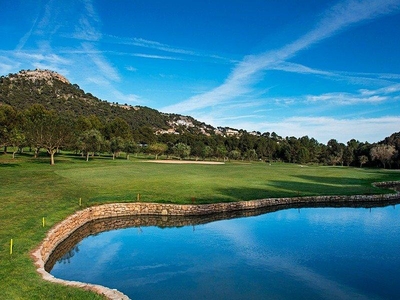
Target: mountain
<point>54,91</point>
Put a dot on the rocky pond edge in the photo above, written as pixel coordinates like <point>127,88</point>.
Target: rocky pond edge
<point>61,231</point>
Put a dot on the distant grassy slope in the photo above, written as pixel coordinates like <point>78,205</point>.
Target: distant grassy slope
<point>32,189</point>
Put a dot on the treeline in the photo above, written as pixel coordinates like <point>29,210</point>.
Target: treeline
<point>39,128</point>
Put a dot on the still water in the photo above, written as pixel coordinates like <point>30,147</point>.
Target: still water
<point>308,253</point>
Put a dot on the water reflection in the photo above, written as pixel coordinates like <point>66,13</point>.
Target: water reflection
<point>66,258</point>
<point>297,253</point>
<point>106,224</point>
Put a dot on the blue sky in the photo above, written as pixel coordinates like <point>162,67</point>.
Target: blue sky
<point>326,69</point>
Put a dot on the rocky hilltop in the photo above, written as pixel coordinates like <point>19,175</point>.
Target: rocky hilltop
<point>47,75</point>
<point>54,91</point>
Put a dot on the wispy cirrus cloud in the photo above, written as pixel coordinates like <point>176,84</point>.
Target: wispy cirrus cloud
<point>6,64</point>
<point>41,56</point>
<point>103,66</point>
<point>257,255</point>
<point>391,92</point>
<point>140,42</point>
<point>346,98</point>
<point>326,128</point>
<point>152,56</point>
<point>351,77</point>
<point>87,26</point>
<point>162,47</point>
<point>247,72</point>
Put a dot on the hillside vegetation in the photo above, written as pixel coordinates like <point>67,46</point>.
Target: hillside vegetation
<point>41,101</point>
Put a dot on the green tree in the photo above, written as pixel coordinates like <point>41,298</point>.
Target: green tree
<point>221,152</point>
<point>335,152</point>
<point>197,147</point>
<point>144,135</point>
<point>207,152</point>
<point>117,128</point>
<point>246,142</point>
<point>8,125</point>
<point>313,148</point>
<point>90,141</point>
<point>130,147</point>
<point>16,140</point>
<point>303,155</point>
<point>181,150</point>
<point>157,149</point>
<point>235,154</point>
<point>348,156</point>
<point>349,153</point>
<point>117,144</point>
<point>251,154</point>
<point>48,129</point>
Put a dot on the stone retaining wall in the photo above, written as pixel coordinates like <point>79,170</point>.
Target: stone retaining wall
<point>63,230</point>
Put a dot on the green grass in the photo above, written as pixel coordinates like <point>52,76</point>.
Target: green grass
<point>31,189</point>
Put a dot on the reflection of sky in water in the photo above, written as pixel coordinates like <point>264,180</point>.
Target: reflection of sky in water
<point>318,253</point>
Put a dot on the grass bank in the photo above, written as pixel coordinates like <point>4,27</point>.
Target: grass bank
<point>32,189</point>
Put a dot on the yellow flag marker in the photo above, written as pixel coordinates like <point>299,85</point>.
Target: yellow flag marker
<point>80,201</point>
<point>11,246</point>
<point>43,222</point>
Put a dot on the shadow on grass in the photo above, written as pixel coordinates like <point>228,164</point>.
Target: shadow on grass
<point>348,182</point>
<point>44,159</point>
<point>326,180</point>
<point>281,189</point>
<point>9,165</point>
<point>244,193</point>
<point>326,187</point>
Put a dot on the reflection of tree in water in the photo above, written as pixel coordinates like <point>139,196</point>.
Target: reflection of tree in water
<point>66,258</point>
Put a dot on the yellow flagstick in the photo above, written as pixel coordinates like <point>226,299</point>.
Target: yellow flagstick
<point>43,221</point>
<point>11,246</point>
<point>80,201</point>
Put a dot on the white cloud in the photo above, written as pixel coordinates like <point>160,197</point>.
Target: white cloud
<point>389,89</point>
<point>7,65</point>
<point>153,56</point>
<point>351,77</point>
<point>346,98</point>
<point>343,130</point>
<point>151,44</point>
<point>246,73</point>
<point>131,69</point>
<point>143,43</point>
<point>242,239</point>
<point>298,68</point>
<point>321,128</point>
<point>361,96</point>
<point>102,65</point>
<point>85,31</point>
<point>126,98</point>
<point>41,56</point>
<point>98,80</point>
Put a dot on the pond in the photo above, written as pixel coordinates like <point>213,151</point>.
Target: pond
<point>292,253</point>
